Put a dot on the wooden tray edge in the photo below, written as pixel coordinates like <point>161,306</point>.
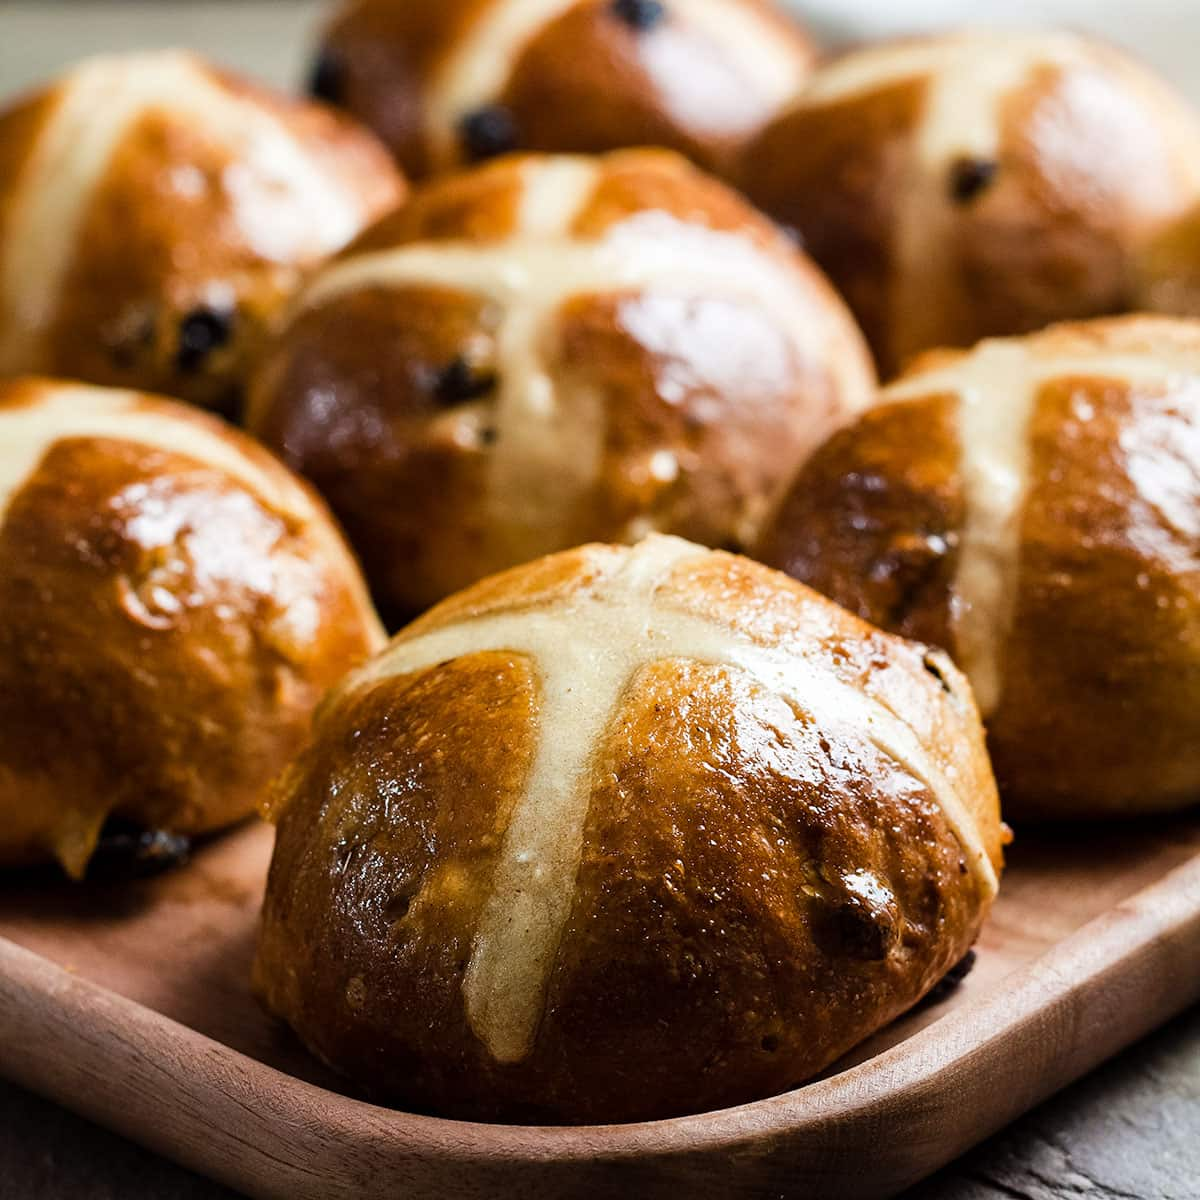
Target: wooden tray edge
<point>865,1133</point>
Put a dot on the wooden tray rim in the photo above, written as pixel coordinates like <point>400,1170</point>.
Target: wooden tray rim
<point>1129,946</point>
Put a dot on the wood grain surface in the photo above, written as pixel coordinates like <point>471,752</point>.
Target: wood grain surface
<point>1129,1129</point>
<point>1093,943</point>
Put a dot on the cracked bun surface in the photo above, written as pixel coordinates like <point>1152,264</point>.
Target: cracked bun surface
<point>621,834</point>
<point>173,603</point>
<point>155,213</point>
<point>451,83</point>
<point>551,350</point>
<point>1033,506</point>
<point>978,184</point>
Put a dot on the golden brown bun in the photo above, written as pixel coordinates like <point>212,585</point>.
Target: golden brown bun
<point>621,834</point>
<point>449,83</point>
<point>552,350</point>
<point>977,184</point>
<point>1169,269</point>
<point>173,603</point>
<point>1034,507</point>
<point>155,214</point>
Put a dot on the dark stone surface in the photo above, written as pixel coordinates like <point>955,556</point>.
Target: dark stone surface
<point>1130,1131</point>
<point>47,1153</point>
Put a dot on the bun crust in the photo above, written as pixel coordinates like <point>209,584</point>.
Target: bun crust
<point>451,83</point>
<point>157,212</point>
<point>648,831</point>
<point>548,351</point>
<point>1169,269</point>
<point>977,184</point>
<point>173,603</point>
<point>1033,506</point>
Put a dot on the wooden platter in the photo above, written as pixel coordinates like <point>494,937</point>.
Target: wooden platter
<point>130,1004</point>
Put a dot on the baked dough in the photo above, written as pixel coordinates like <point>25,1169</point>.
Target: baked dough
<point>173,603</point>
<point>1033,506</point>
<point>156,212</point>
<point>1169,269</point>
<point>976,184</point>
<point>623,834</point>
<point>449,83</point>
<point>551,350</point>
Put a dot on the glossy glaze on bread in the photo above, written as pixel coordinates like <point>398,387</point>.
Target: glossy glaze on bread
<point>155,213</point>
<point>1033,506</point>
<point>625,833</point>
<point>559,350</point>
<point>978,184</point>
<point>173,603</point>
<point>450,83</point>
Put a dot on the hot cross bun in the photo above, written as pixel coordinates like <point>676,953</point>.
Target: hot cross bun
<point>454,82</point>
<point>677,832</point>
<point>173,602</point>
<point>1033,506</point>
<point>978,184</point>
<point>155,212</point>
<point>552,350</point>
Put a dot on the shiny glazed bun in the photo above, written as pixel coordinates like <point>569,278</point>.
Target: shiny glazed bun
<point>553,350</point>
<point>1033,506</point>
<point>154,214</point>
<point>172,605</point>
<point>975,184</point>
<point>450,83</point>
<point>621,834</point>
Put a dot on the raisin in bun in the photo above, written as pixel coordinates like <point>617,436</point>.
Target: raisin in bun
<point>172,605</point>
<point>154,214</point>
<point>976,184</point>
<point>553,350</point>
<point>622,834</point>
<point>1033,506</point>
<point>451,83</point>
